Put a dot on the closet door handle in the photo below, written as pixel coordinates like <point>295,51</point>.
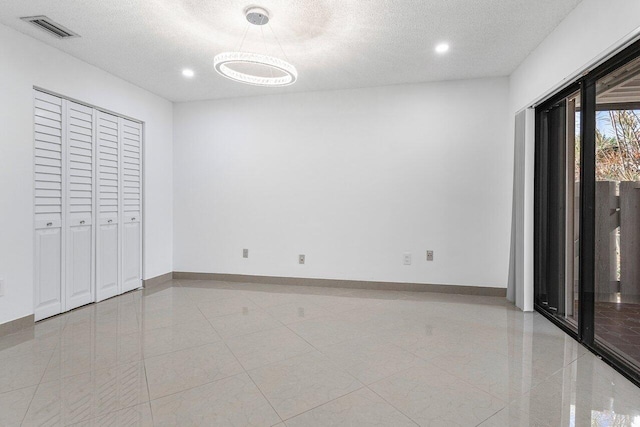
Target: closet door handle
<point>82,222</point>
<point>133,219</point>
<point>49,224</point>
<point>110,221</point>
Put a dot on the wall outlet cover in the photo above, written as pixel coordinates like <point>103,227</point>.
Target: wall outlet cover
<point>300,259</point>
<point>406,258</point>
<point>429,255</point>
<point>245,253</point>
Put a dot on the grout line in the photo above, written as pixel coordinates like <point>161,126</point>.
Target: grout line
<point>325,403</point>
<point>491,416</point>
<point>389,403</point>
<point>242,366</point>
<point>485,420</point>
<point>153,423</point>
<point>329,361</point>
<point>464,380</point>
<point>449,373</point>
<point>182,349</point>
<point>30,401</point>
<point>248,333</point>
<point>195,386</point>
<point>199,385</point>
<point>303,338</point>
<point>39,383</point>
<point>280,361</point>
<point>265,397</point>
<point>146,378</point>
<point>219,379</point>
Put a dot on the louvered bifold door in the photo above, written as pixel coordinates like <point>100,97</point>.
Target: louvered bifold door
<point>49,170</point>
<point>131,199</point>
<point>108,219</point>
<point>79,221</point>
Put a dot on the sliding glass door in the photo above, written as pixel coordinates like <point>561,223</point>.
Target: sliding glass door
<point>617,213</point>
<point>587,210</point>
<point>558,208</point>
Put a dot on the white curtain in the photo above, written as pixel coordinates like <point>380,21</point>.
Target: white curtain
<point>520,286</point>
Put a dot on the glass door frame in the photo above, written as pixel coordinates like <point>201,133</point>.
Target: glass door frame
<point>550,210</point>
<point>587,222</point>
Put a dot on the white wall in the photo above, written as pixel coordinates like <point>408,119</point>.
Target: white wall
<point>25,62</point>
<point>592,29</point>
<point>352,179</point>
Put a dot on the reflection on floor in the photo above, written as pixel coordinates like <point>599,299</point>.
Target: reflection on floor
<point>617,325</point>
<point>217,354</point>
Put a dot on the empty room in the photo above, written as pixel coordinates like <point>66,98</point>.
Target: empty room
<point>320,213</point>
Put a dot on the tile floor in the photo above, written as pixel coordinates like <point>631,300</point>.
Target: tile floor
<point>617,326</point>
<point>221,354</point>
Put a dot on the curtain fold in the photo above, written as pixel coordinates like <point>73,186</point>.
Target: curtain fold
<point>520,282</point>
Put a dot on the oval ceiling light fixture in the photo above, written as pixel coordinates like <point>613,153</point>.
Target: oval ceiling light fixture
<point>188,73</point>
<point>223,61</point>
<point>442,48</point>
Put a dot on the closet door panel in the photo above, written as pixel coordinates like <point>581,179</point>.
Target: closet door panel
<point>108,235</point>
<point>131,199</point>
<point>79,271</point>
<point>48,299</point>
<point>131,256</point>
<point>80,181</point>
<point>48,204</point>
<point>108,261</point>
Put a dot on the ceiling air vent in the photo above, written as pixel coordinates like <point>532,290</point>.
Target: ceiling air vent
<point>49,26</point>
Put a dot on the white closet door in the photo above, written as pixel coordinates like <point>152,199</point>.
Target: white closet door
<point>108,235</point>
<point>79,220</point>
<point>131,199</point>
<point>48,135</point>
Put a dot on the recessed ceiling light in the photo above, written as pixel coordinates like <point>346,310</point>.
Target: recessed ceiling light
<point>188,73</point>
<point>442,48</point>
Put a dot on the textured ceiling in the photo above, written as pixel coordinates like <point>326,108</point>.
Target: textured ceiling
<point>334,44</point>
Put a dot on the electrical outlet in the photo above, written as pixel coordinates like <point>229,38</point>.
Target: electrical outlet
<point>406,258</point>
<point>300,259</point>
<point>245,253</point>
<point>429,255</point>
<point>1,287</point>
